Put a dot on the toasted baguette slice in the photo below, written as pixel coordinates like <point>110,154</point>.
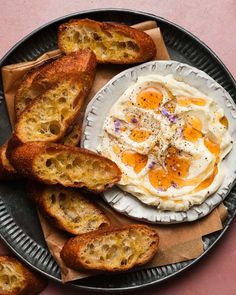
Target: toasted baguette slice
<point>82,62</point>
<point>67,209</point>
<point>28,90</point>
<point>17,279</point>
<point>73,137</point>
<point>41,78</point>
<point>52,163</point>
<point>48,117</point>
<point>7,171</point>
<point>111,250</point>
<point>111,42</point>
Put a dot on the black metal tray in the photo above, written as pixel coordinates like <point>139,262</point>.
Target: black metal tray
<point>19,225</point>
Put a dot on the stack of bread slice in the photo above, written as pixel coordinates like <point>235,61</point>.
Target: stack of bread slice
<point>44,146</point>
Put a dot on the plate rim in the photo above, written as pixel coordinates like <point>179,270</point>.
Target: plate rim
<point>218,61</point>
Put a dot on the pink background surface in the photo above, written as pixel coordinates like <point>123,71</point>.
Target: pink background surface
<point>214,22</point>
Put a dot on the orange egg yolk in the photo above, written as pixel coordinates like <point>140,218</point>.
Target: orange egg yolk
<point>192,129</point>
<point>159,178</point>
<point>186,101</point>
<point>135,160</point>
<point>149,98</point>
<point>176,164</point>
<point>177,168</point>
<point>224,122</point>
<point>139,135</point>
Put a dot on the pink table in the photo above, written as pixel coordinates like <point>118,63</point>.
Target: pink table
<point>214,22</point>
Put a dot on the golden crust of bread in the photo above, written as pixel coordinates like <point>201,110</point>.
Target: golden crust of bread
<point>73,137</point>
<point>67,209</point>
<point>39,79</point>
<point>82,63</point>
<point>52,163</point>
<point>7,171</point>
<point>28,90</point>
<point>49,116</point>
<point>111,250</point>
<point>111,42</point>
<point>17,279</point>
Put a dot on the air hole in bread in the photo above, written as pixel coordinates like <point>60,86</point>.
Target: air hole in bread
<point>53,199</point>
<point>123,262</point>
<point>96,37</point>
<point>77,37</point>
<point>28,100</point>
<point>131,45</point>
<point>103,225</point>
<point>48,162</point>
<point>62,100</point>
<point>55,127</point>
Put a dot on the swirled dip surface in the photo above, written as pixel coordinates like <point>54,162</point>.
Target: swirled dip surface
<point>169,140</point>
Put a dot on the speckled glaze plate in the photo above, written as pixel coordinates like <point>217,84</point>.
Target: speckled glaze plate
<point>98,110</point>
<point>19,225</point>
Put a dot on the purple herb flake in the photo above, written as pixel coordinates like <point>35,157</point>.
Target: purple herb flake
<point>172,119</point>
<point>134,120</point>
<point>165,112</point>
<point>174,185</point>
<point>151,165</point>
<point>117,125</point>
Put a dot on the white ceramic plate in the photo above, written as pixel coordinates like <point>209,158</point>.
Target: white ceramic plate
<point>99,107</point>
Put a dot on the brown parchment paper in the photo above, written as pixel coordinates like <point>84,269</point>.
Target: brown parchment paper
<point>178,242</point>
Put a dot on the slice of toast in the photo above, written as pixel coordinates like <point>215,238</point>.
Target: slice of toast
<point>49,116</point>
<point>111,250</point>
<point>73,137</point>
<point>45,76</point>
<point>67,209</point>
<point>7,171</point>
<point>28,90</point>
<point>52,163</point>
<point>111,42</point>
<point>17,279</point>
